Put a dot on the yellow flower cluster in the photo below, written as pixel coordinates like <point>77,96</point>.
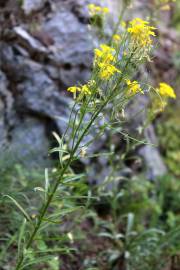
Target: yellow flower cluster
<point>107,71</point>
<point>84,89</point>
<point>74,89</point>
<point>94,10</point>
<point>104,59</point>
<point>105,54</point>
<point>166,90</point>
<point>141,32</point>
<point>133,87</point>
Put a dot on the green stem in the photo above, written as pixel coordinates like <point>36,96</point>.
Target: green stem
<point>117,24</point>
<point>63,171</point>
<point>50,197</point>
<point>43,212</point>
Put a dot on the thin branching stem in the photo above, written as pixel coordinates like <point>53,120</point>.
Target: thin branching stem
<point>44,208</point>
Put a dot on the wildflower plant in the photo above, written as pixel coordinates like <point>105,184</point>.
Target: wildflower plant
<point>108,90</point>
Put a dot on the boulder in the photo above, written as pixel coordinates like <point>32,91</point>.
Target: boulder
<point>30,6</point>
<point>29,144</point>
<point>6,111</point>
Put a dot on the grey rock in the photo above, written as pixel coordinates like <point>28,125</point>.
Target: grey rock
<point>68,32</point>
<point>32,5</point>
<point>36,92</point>
<point>3,133</point>
<point>53,72</point>
<point>136,114</point>
<point>39,72</point>
<point>5,94</point>
<point>105,177</point>
<point>29,145</point>
<point>6,111</point>
<point>151,155</point>
<point>39,94</point>
<point>28,41</point>
<point>11,62</point>
<point>40,66</point>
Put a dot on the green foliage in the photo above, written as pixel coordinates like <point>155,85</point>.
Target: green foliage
<point>176,16</point>
<point>169,134</point>
<point>140,228</point>
<point>168,195</point>
<point>176,60</point>
<point>25,193</point>
<point>143,223</point>
<point>20,2</point>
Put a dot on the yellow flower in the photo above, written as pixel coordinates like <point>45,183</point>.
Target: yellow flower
<point>105,10</point>
<point>105,54</point>
<point>141,32</point>
<point>74,89</point>
<point>85,90</point>
<point>166,90</point>
<point>107,71</point>
<point>106,49</point>
<point>94,9</point>
<point>133,87</point>
<point>116,38</point>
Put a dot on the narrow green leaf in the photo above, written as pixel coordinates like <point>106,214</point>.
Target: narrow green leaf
<point>70,178</point>
<point>21,236</point>
<point>46,185</point>
<point>19,207</point>
<point>37,261</point>
<point>130,223</point>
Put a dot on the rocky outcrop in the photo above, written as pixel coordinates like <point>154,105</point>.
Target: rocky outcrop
<point>4,100</point>
<point>45,46</point>
<point>137,116</point>
<point>32,5</point>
